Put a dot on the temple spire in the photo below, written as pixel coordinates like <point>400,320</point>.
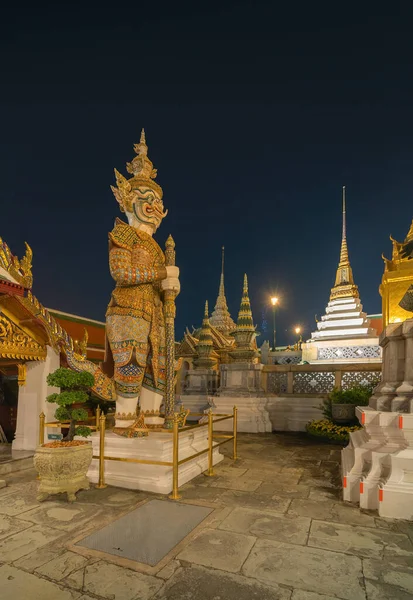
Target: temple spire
<point>344,284</point>
<point>206,355</point>
<point>221,318</point>
<point>245,321</point>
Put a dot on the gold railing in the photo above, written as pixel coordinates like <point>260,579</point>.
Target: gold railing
<point>65,424</point>
<point>176,430</point>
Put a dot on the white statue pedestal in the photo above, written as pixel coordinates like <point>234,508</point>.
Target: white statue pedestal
<point>157,447</point>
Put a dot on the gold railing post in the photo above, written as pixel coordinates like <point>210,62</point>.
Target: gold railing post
<point>235,432</point>
<point>101,483</point>
<point>210,471</point>
<point>42,417</point>
<point>97,418</point>
<point>175,458</point>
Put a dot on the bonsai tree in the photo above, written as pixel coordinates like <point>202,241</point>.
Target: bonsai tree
<point>73,388</point>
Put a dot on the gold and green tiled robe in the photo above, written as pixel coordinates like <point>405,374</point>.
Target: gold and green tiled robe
<point>134,319</point>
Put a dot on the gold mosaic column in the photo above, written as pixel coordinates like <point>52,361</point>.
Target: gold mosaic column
<point>170,312</point>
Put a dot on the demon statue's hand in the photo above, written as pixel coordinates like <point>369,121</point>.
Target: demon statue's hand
<point>172,280</point>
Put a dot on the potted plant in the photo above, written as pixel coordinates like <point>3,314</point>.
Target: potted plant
<point>62,465</point>
<point>341,404</point>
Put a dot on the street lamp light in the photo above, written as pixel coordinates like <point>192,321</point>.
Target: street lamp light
<point>274,302</point>
<point>300,339</point>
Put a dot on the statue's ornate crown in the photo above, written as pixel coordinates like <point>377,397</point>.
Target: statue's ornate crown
<point>143,175</point>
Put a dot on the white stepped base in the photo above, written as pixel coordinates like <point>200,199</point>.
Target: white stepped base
<point>367,462</point>
<point>253,416</point>
<point>156,447</point>
<point>396,494</point>
<point>356,457</point>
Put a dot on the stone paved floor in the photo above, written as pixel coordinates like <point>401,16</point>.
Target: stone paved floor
<point>280,531</point>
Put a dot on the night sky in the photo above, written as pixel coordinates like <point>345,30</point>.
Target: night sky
<point>256,115</point>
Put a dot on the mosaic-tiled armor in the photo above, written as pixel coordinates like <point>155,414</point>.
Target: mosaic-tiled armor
<point>134,318</point>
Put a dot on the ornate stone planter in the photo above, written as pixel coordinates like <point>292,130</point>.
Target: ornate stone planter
<point>343,413</point>
<point>62,470</point>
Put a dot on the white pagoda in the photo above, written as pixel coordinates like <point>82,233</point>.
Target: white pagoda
<point>343,334</point>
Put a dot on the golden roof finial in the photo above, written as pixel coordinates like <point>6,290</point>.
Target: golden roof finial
<point>245,290</point>
<point>143,138</point>
<point>206,313</point>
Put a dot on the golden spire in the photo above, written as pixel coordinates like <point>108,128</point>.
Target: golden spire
<point>220,318</point>
<point>344,284</point>
<point>344,249</point>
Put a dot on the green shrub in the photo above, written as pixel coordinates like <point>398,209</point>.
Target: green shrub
<point>74,387</point>
<point>359,395</point>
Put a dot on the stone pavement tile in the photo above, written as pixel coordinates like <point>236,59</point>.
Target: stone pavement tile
<point>293,470</point>
<point>323,482</point>
<point>402,526</point>
<point>196,492</point>
<point>62,566</point>
<point>63,515</point>
<point>280,480</point>
<point>361,541</point>
<point>311,508</point>
<point>267,525</point>
<point>306,568</point>
<point>218,549</point>
<point>118,583</point>
<point>252,500</point>
<point>215,519</point>
<point>169,570</point>
<point>16,585</point>
<point>388,573</point>
<point>305,462</point>
<point>25,542</point>
<point>303,595</point>
<point>242,484</point>
<point>268,467</point>
<point>279,486</point>
<point>35,559</point>
<point>352,515</point>
<point>76,578</point>
<point>14,503</point>
<point>110,496</point>
<point>321,494</point>
<point>197,583</point>
<point>291,491</point>
<point>381,591</point>
<point>229,471</point>
<point>10,525</point>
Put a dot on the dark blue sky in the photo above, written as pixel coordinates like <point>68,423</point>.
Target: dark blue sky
<point>256,114</point>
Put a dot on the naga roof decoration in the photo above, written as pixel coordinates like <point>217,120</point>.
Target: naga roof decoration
<point>29,322</point>
<point>19,270</point>
<point>221,318</point>
<point>402,251</point>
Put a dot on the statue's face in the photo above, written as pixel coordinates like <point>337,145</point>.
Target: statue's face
<point>147,209</point>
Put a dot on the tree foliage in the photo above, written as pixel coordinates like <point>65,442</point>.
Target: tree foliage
<point>73,388</point>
